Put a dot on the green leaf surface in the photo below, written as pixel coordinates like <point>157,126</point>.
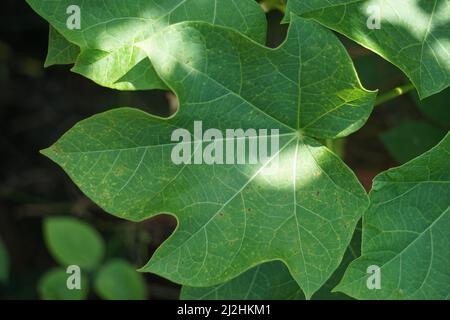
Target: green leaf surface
<point>353,251</point>
<point>294,85</point>
<point>110,30</point>
<point>73,242</point>
<point>405,232</point>
<point>60,51</point>
<point>118,280</point>
<point>232,217</point>
<point>53,286</point>
<point>413,34</point>
<point>4,263</point>
<point>272,281</point>
<point>410,139</point>
<point>268,281</point>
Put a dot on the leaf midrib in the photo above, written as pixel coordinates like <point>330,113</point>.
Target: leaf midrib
<point>227,202</point>
<point>163,145</point>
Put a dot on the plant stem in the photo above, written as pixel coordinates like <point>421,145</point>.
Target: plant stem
<point>269,5</point>
<point>394,93</point>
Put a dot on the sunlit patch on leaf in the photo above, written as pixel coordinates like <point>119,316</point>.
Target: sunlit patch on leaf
<point>413,34</point>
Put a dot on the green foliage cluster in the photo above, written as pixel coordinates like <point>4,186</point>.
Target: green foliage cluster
<point>72,242</point>
<point>242,233</point>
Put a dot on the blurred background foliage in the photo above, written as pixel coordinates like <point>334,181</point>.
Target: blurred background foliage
<point>38,105</point>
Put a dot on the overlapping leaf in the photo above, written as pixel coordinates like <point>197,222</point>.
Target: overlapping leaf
<point>268,281</point>
<point>232,217</point>
<point>60,50</point>
<point>109,30</point>
<point>413,33</point>
<point>272,281</point>
<point>406,232</point>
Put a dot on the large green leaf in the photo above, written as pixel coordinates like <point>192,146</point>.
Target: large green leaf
<point>406,232</point>
<point>232,217</point>
<point>413,34</point>
<point>4,263</point>
<point>73,242</point>
<point>110,29</point>
<point>272,281</point>
<point>118,280</point>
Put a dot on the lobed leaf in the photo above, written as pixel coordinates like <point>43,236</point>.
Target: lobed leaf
<point>272,281</point>
<point>405,232</point>
<point>110,30</point>
<point>413,34</point>
<point>232,217</point>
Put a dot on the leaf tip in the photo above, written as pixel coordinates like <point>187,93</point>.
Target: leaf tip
<point>45,151</point>
<point>145,268</point>
<point>48,63</point>
<point>336,289</point>
<point>49,152</point>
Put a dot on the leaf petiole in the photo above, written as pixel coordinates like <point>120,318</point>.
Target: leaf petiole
<point>394,93</point>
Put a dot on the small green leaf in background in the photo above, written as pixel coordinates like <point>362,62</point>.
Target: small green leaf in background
<point>233,217</point>
<point>406,232</point>
<point>73,242</point>
<point>436,108</point>
<point>109,32</point>
<point>53,286</point>
<point>413,34</point>
<point>375,72</point>
<point>60,51</point>
<point>119,280</point>
<point>410,139</point>
<point>4,263</point>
